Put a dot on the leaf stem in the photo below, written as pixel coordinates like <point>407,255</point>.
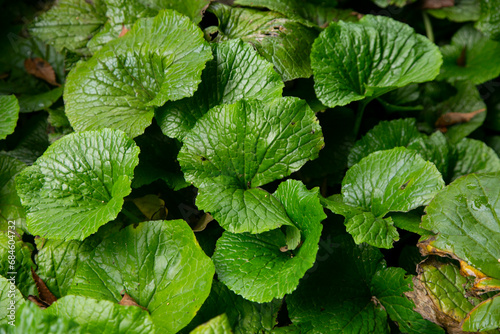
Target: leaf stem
<point>428,26</point>
<point>359,115</point>
<point>133,218</point>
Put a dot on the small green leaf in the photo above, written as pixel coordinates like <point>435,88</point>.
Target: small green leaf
<point>10,205</point>
<point>489,19</point>
<point>464,217</point>
<point>284,42</point>
<point>473,156</point>
<point>397,3</point>
<point>470,56</point>
<point>435,149</point>
<point>70,24</point>
<point>385,135</point>
<point>376,231</point>
<point>461,11</point>
<point>236,72</point>
<point>9,294</point>
<point>352,61</point>
<point>244,316</point>
<point>217,325</point>
<point>256,266</point>
<point>35,102</point>
<point>255,143</point>
<point>9,113</point>
<point>485,316</point>
<point>78,184</point>
<point>172,285</point>
<point>15,262</point>
<point>94,316</point>
<point>160,59</point>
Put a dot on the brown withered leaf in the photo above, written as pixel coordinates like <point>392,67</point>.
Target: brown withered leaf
<point>451,118</point>
<point>462,60</point>
<point>437,4</point>
<point>44,293</point>
<point>129,301</point>
<point>40,68</point>
<point>38,302</point>
<point>123,32</point>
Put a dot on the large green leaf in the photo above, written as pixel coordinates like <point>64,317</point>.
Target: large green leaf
<point>258,266</point>
<point>11,299</point>
<point>16,262</point>
<point>217,325</point>
<point>78,184</point>
<point>396,180</point>
<point>385,135</point>
<point>284,42</point>
<point>30,319</point>
<point>255,143</point>
<point>160,59</point>
<point>352,61</point>
<point>244,316</point>
<point>461,11</point>
<point>473,156</point>
<point>102,316</point>
<point>70,24</point>
<point>236,72</point>
<point>489,18</point>
<point>9,113</point>
<point>172,284</point>
<point>485,316</point>
<point>470,56</point>
<point>465,218</point>
<point>10,205</point>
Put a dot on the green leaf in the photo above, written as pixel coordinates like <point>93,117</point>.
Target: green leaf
<point>78,184</point>
<point>397,3</point>
<point>396,180</point>
<point>385,135</point>
<point>70,24</point>
<point>461,11</point>
<point>255,143</point>
<point>336,297</point>
<point>470,56</point>
<point>474,156</point>
<point>464,216</point>
<point>389,286</point>
<point>15,256</point>
<point>445,287</point>
<point>435,149</point>
<point>160,59</point>
<point>376,231</point>
<point>57,262</point>
<point>30,319</point>
<point>9,113</point>
<point>11,300</point>
<point>284,42</point>
<point>256,266</point>
<point>172,285</point>
<point>244,316</point>
<point>94,316</point>
<point>217,325</point>
<point>35,102</point>
<point>352,61</point>
<point>392,180</point>
<point>409,221</point>
<point>10,205</point>
<point>236,72</point>
<point>485,316</point>
<point>489,19</point>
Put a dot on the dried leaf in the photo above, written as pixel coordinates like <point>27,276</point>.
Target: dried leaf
<point>452,118</point>
<point>437,4</point>
<point>123,32</point>
<point>129,301</point>
<point>38,302</point>
<point>40,68</point>
<point>43,292</point>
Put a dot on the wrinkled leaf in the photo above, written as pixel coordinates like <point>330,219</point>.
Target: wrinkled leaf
<point>473,156</point>
<point>9,113</point>
<point>217,325</point>
<point>485,316</point>
<point>461,11</point>
<point>78,184</point>
<point>10,205</point>
<point>8,295</point>
<point>256,143</point>
<point>489,19</point>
